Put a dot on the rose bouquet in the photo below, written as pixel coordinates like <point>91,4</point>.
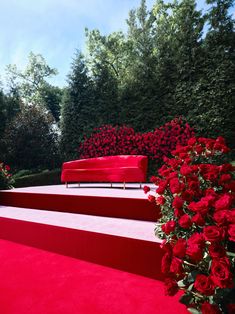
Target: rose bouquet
<point>196,197</point>
<point>6,180</point>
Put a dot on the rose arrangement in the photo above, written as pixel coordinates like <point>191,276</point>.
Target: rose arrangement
<point>123,140</point>
<point>6,180</point>
<point>197,201</point>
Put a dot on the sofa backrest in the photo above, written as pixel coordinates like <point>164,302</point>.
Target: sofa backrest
<point>109,162</point>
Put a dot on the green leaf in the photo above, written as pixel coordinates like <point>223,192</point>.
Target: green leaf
<point>193,311</point>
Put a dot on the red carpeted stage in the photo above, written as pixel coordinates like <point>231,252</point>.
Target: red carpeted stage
<point>88,249</point>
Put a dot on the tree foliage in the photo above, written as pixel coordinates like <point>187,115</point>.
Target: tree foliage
<point>31,139</point>
<point>78,114</point>
<point>32,86</point>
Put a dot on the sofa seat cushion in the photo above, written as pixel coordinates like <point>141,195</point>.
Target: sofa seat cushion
<point>121,174</point>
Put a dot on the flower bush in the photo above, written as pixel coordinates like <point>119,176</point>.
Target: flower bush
<point>196,197</point>
<point>123,140</point>
<point>6,180</point>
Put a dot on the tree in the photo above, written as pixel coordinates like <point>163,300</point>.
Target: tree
<point>31,139</point>
<point>139,95</point>
<point>215,113</point>
<point>32,86</point>
<point>78,113</point>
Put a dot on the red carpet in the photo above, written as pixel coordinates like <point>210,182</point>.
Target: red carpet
<point>33,281</point>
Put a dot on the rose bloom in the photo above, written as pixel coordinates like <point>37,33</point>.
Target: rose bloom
<point>166,263</point>
<point>171,287</point>
<point>185,221</point>
<point>175,186</point>
<point>151,198</point>
<point>216,250</point>
<point>7,167</point>
<point>161,187</point>
<point>187,195</point>
<point>197,238</point>
<point>169,226</point>
<point>221,216</point>
<point>231,232</point>
<point>179,250</point>
<point>201,207</point>
<point>198,220</point>
<point>178,213</point>
<point>160,200</point>
<point>146,189</point>
<point>186,170</point>
<point>176,267</point>
<point>231,216</point>
<point>208,308</point>
<point>195,252</point>
<point>213,233</point>
<point>220,273</point>
<point>177,203</point>
<point>224,202</point>
<point>204,285</point>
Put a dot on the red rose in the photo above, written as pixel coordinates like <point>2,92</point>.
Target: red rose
<point>7,168</point>
<point>226,168</point>
<point>231,216</point>
<point>175,186</point>
<point>154,180</point>
<point>186,170</point>
<point>178,213</point>
<point>216,250</point>
<point>166,246</point>
<point>204,285</point>
<point>213,233</point>
<point>198,220</point>
<point>169,227</point>
<point>160,200</point>
<point>208,308</point>
<point>187,195</point>
<point>171,287</point>
<point>195,252</point>
<point>185,221</point>
<point>197,238</point>
<point>192,141</point>
<point>177,203</point>
<point>220,273</point>
<point>176,267</point>
<point>231,232</point>
<point>179,249</point>
<point>201,207</point>
<point>146,189</point>
<point>221,216</point>
<point>224,202</point>
<point>161,187</point>
<point>166,263</point>
<point>225,178</point>
<point>151,198</point>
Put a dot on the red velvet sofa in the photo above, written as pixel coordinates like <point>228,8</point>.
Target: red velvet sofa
<point>121,168</point>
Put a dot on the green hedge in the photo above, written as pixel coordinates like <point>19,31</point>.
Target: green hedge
<point>44,178</point>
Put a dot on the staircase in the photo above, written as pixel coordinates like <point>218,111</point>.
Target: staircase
<point>66,262</point>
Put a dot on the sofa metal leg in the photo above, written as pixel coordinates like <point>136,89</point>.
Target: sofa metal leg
<point>79,184</point>
<point>140,185</point>
<point>124,185</point>
<point>66,184</point>
<point>111,184</point>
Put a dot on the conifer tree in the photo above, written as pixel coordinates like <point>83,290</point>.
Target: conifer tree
<point>78,113</point>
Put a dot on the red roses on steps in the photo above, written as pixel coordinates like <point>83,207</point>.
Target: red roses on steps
<point>197,201</point>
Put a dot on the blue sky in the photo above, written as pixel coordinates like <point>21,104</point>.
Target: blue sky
<point>55,28</point>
